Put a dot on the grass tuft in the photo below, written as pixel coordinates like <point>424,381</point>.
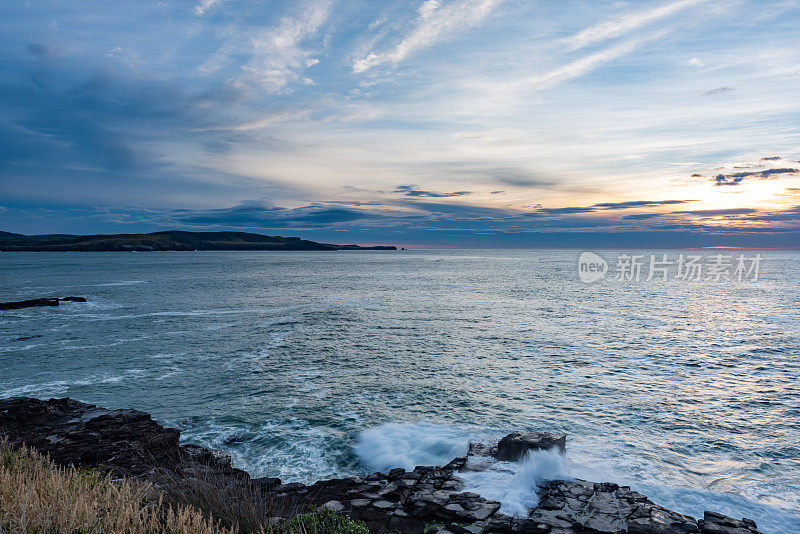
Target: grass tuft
<point>38,496</point>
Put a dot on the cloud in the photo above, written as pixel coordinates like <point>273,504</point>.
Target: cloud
<point>435,22</point>
<point>642,216</point>
<point>583,65</point>
<point>278,59</point>
<point>412,191</point>
<point>715,213</point>
<point>203,6</point>
<point>259,123</point>
<point>638,204</point>
<point>612,206</point>
<point>566,210</point>
<point>738,177</point>
<point>632,21</point>
<point>719,91</point>
<point>261,215</point>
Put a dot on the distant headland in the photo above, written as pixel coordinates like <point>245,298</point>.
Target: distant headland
<point>162,241</point>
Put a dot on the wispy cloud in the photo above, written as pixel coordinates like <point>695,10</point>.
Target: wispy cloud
<point>412,191</point>
<point>219,106</point>
<point>719,91</point>
<point>434,23</point>
<point>203,6</point>
<point>583,65</point>
<point>627,23</point>
<point>259,123</point>
<point>278,58</point>
<point>612,206</point>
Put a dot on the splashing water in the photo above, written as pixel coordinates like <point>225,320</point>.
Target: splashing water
<point>408,445</point>
<point>514,484</point>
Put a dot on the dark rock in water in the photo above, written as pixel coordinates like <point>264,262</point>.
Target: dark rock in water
<point>482,449</point>
<point>427,499</point>
<point>713,523</point>
<point>234,438</point>
<point>26,338</point>
<point>72,299</point>
<point>32,303</point>
<point>514,446</point>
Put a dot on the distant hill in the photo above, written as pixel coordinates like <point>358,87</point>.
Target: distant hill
<point>170,240</point>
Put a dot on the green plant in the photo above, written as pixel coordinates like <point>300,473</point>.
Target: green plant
<point>321,521</point>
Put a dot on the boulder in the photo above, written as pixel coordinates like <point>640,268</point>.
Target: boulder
<point>714,523</point>
<point>515,445</point>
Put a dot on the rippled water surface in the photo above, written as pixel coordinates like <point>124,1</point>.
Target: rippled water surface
<point>310,365</point>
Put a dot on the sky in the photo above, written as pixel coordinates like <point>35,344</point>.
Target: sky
<point>449,123</point>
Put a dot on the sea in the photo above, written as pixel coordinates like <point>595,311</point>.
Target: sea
<point>309,365</point>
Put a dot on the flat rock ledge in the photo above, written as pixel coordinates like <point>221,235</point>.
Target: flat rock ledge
<point>426,500</point>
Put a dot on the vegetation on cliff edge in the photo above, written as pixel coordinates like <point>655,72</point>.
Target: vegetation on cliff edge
<point>38,496</point>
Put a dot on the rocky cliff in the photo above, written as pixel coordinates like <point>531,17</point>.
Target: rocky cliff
<point>428,499</point>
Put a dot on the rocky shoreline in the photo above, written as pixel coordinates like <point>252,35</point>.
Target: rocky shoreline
<point>428,499</point>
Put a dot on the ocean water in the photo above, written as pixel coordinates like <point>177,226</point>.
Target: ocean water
<point>312,365</point>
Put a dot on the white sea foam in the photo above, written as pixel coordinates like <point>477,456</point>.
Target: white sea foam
<point>58,387</point>
<point>291,449</point>
<point>408,445</point>
<point>122,283</point>
<point>514,484</point>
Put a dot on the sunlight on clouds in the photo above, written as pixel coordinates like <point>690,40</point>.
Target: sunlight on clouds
<point>515,109</point>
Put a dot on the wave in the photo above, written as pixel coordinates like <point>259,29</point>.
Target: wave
<point>408,445</point>
<point>60,387</point>
<point>514,484</point>
<point>122,283</point>
<point>294,450</point>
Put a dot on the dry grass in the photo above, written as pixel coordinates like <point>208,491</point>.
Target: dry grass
<point>37,496</point>
<point>241,504</point>
<point>233,501</point>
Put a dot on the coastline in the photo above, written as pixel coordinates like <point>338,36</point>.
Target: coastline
<point>129,443</point>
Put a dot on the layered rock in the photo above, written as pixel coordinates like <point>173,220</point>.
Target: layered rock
<point>125,442</point>
<point>427,499</point>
